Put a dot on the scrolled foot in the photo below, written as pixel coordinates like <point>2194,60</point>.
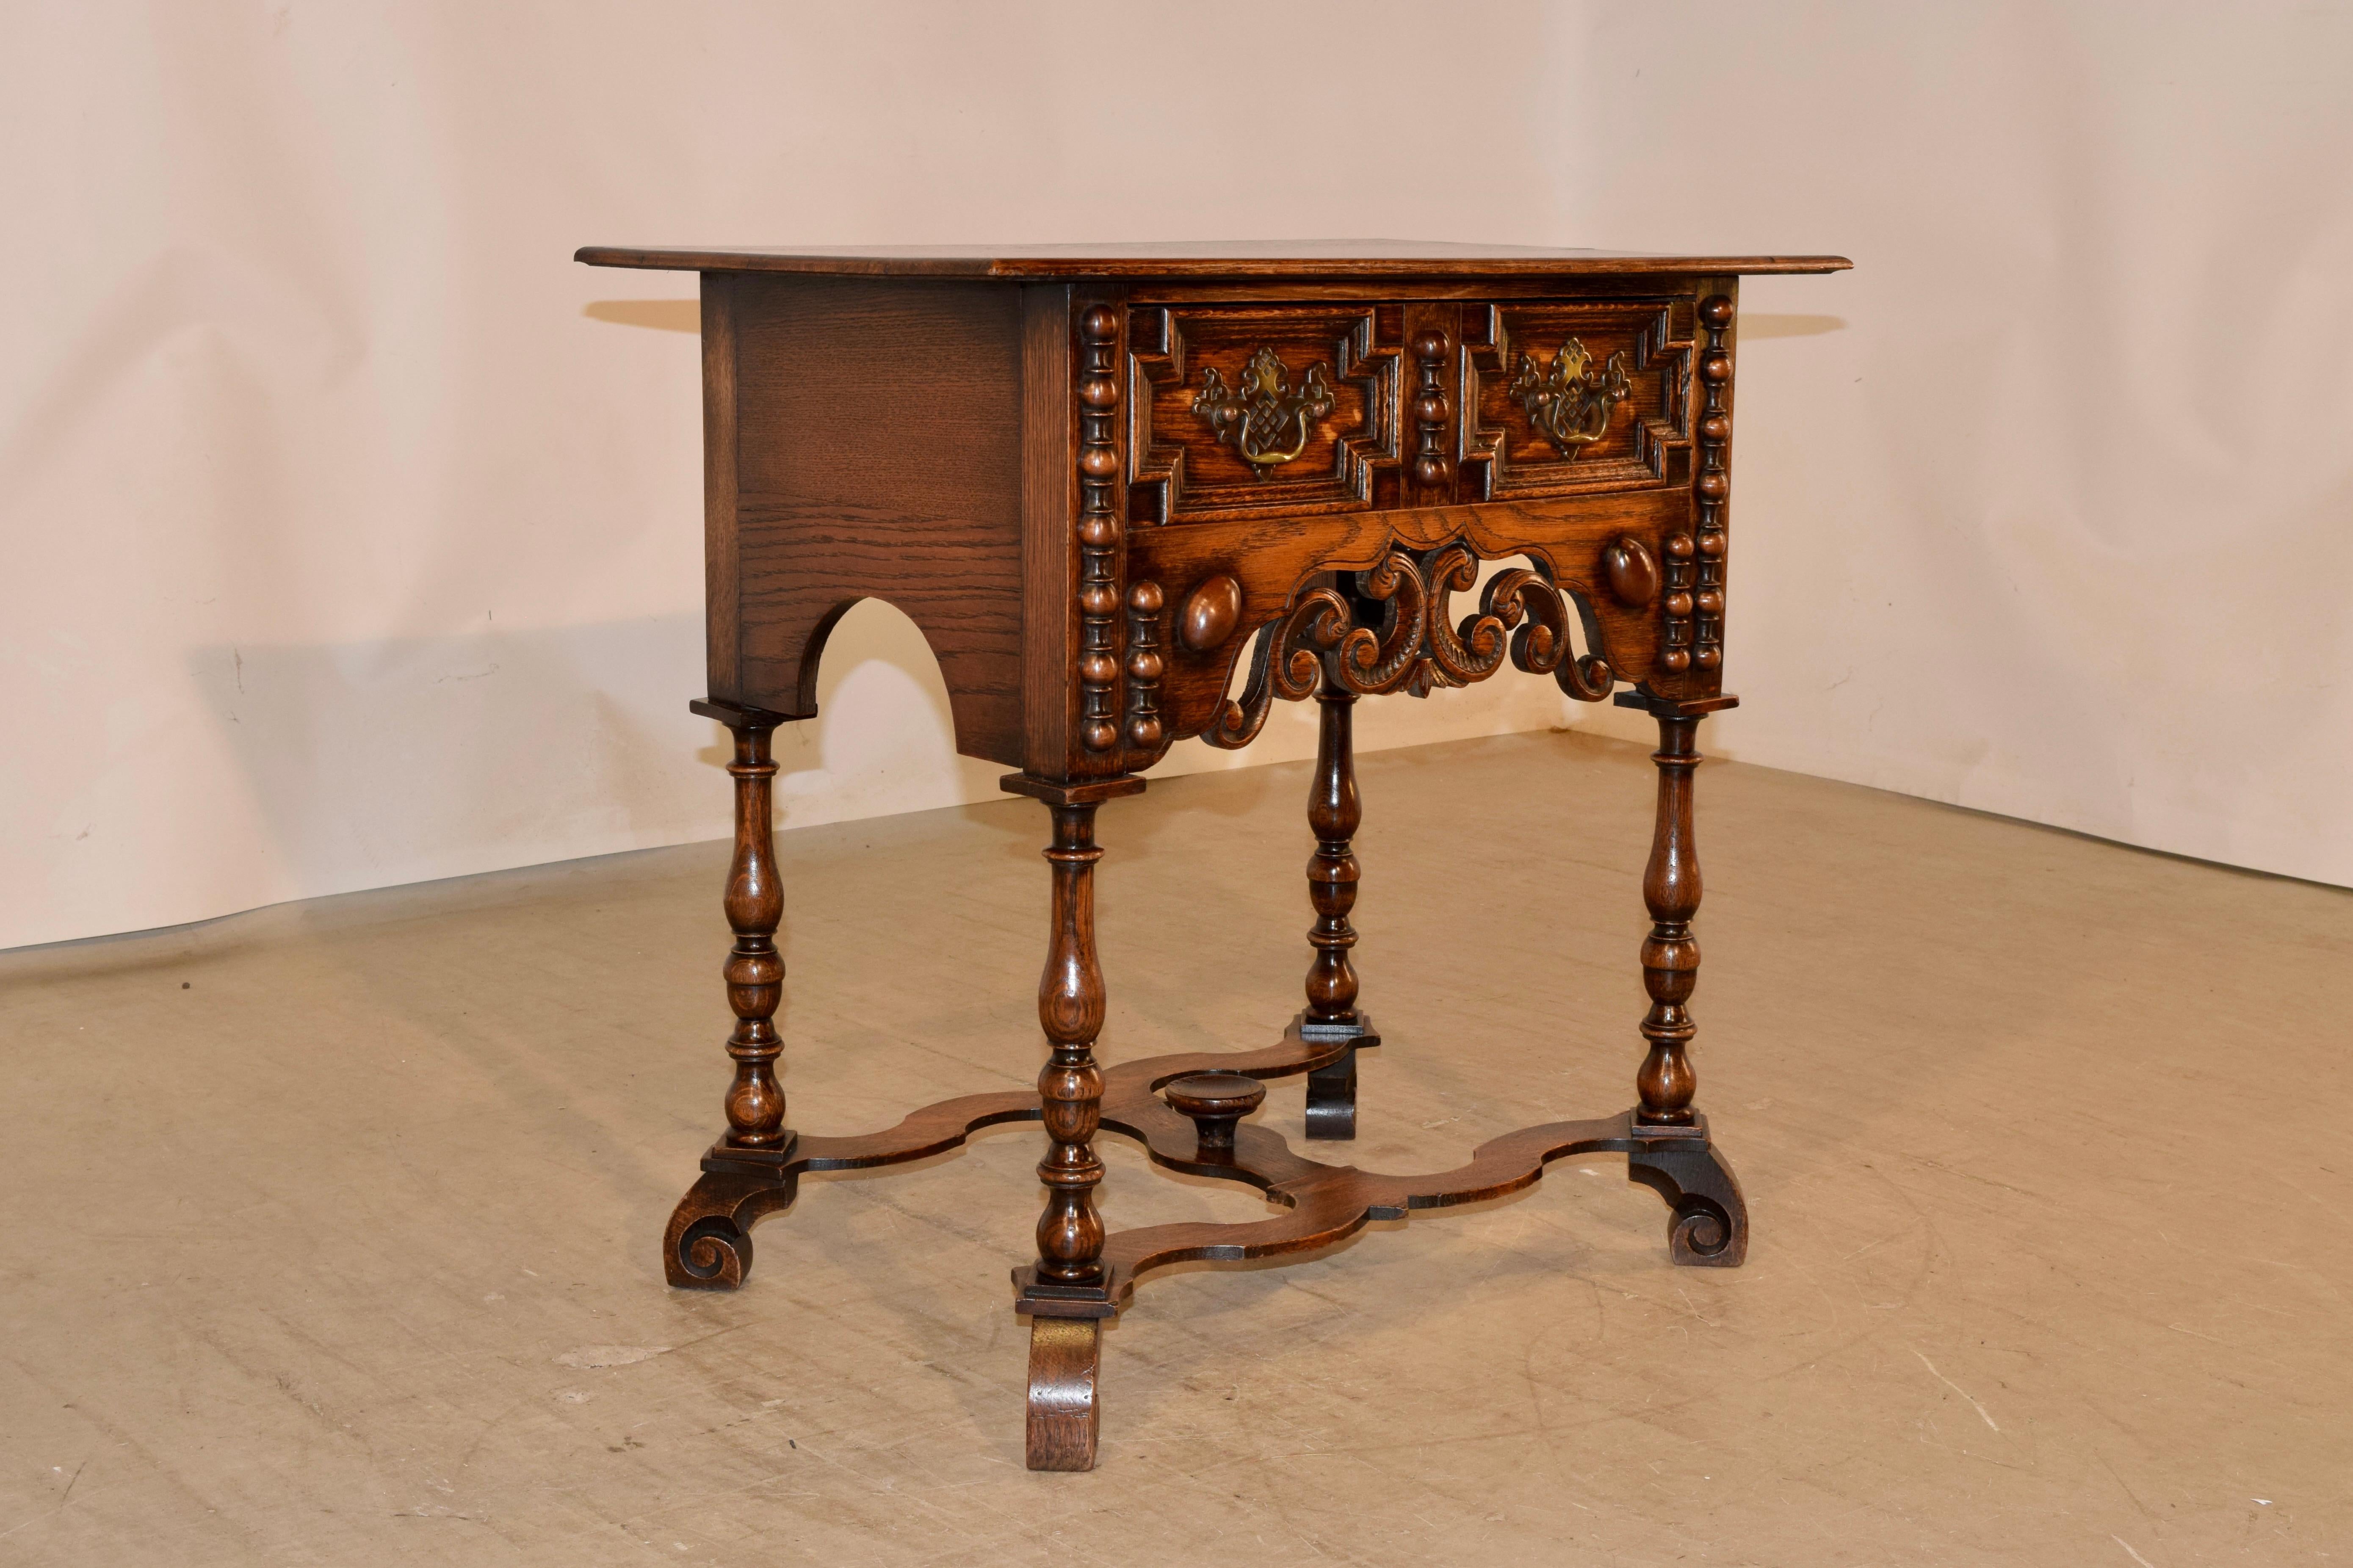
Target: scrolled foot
<point>1702,1236</point>
<point>1332,1100</point>
<point>1710,1229</point>
<point>1331,1088</point>
<point>1064,1356</point>
<point>707,1245</point>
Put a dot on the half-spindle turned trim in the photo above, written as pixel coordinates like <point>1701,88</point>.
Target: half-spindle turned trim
<point>1098,529</point>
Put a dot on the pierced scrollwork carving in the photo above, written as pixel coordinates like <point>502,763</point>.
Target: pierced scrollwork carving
<point>1569,403</point>
<point>1268,422</point>
<point>1390,628</point>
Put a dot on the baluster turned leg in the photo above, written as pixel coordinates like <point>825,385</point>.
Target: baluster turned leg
<point>709,1242</point>
<point>1674,1156</point>
<point>1064,1350</point>
<point>1333,813</point>
<point>1670,887</point>
<point>754,970</point>
<point>1071,1007</point>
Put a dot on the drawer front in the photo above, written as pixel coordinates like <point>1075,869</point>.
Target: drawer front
<point>1248,411</point>
<point>1567,396</point>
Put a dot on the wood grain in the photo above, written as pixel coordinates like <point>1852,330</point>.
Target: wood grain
<point>879,456</point>
<point>1180,470</point>
<point>1065,1356</point>
<point>723,612</point>
<point>1050,556</point>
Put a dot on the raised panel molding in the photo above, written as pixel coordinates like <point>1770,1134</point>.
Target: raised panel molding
<point>1648,439</point>
<point>1181,471</point>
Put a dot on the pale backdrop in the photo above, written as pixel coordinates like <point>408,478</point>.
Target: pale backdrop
<point>351,529</point>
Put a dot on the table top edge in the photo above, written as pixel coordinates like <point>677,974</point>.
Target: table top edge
<point>1043,264</point>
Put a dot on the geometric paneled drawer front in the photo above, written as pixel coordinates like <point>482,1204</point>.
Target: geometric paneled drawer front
<point>1243,411</point>
<point>1568,396</point>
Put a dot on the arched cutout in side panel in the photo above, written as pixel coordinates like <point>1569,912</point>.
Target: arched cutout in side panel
<point>872,630</point>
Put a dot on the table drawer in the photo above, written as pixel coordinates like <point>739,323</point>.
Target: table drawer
<point>1272,410</point>
<point>1262,410</point>
<point>1565,396</point>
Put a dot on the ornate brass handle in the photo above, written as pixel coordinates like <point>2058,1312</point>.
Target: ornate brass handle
<point>1267,423</point>
<point>1569,404</point>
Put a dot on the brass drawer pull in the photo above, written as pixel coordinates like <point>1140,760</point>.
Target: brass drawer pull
<point>1267,423</point>
<point>1569,404</point>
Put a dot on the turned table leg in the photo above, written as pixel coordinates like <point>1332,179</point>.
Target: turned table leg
<point>1063,1414</point>
<point>708,1244</point>
<point>1670,887</point>
<point>1070,1088</point>
<point>1333,813</point>
<point>1711,1222</point>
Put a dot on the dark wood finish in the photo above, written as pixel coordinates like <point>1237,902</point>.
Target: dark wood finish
<point>1334,814</point>
<point>1631,571</point>
<point>1328,1203</point>
<point>1433,413</point>
<point>1712,487</point>
<point>754,970</point>
<point>850,484</point>
<point>1710,1229</point>
<point>1211,610</point>
<point>708,1242</point>
<point>1050,563</point>
<point>1100,535</point>
<point>722,617</point>
<point>1065,1354</point>
<point>1098,479</point>
<point>1245,411</point>
<point>1276,569</point>
<point>1670,889</point>
<point>1635,359</point>
<point>1215,1102</point>
<point>1070,1009</point>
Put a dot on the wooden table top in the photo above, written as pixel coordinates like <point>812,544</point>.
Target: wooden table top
<point>1259,258</point>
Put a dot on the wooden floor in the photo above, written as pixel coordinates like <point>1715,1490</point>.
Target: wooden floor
<point>334,1228</point>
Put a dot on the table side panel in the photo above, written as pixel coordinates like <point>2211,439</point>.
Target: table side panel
<point>878,454</point>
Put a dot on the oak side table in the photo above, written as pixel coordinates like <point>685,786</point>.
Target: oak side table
<point>1105,481</point>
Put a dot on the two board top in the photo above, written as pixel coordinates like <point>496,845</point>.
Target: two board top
<point>1252,259</point>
